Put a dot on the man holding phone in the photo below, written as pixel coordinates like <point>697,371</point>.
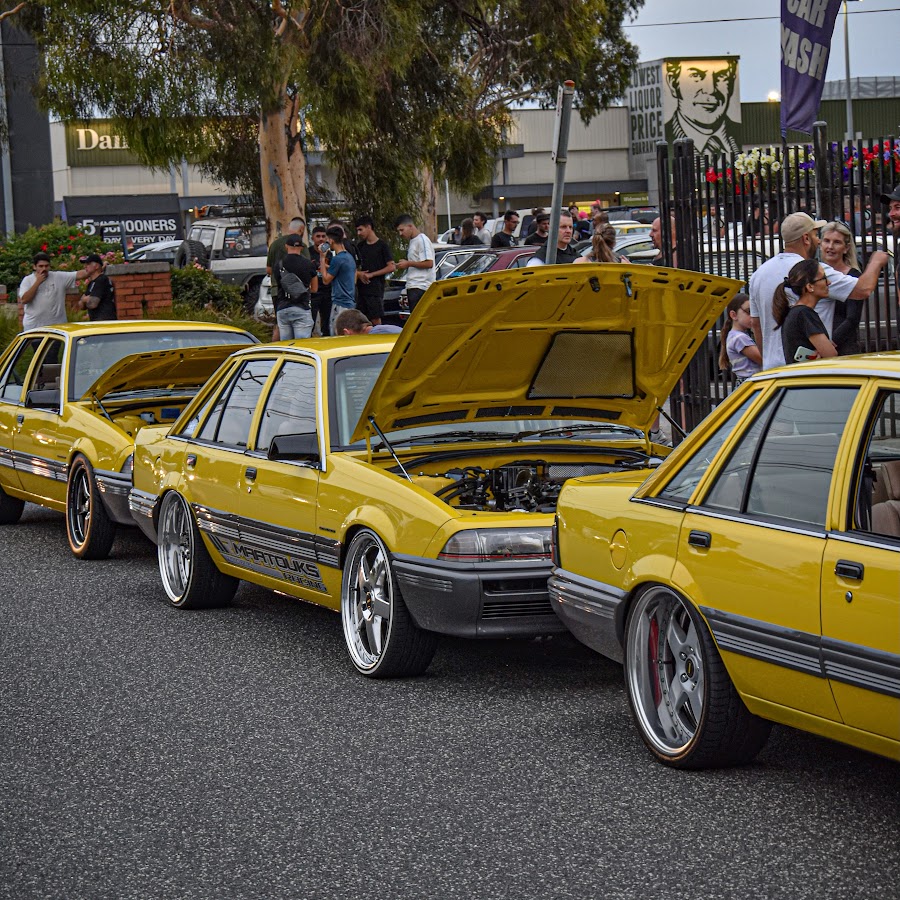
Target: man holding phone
<point>43,293</point>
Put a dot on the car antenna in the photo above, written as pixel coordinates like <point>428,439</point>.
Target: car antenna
<point>387,444</point>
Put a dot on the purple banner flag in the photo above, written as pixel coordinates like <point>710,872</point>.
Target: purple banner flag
<point>806,29</point>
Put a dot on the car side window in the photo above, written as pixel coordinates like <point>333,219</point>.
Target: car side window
<point>46,375</point>
<point>229,421</point>
<point>291,406</point>
<point>782,467</point>
<point>682,486</point>
<point>13,379</point>
<point>877,483</point>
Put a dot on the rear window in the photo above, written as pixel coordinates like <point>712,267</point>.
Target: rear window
<point>93,354</point>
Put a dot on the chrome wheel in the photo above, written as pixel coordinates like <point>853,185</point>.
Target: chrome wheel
<point>381,636</point>
<point>79,506</point>
<point>368,605</point>
<point>176,547</point>
<point>665,669</point>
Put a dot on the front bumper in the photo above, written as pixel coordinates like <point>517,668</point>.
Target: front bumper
<point>486,600</point>
<point>114,488</point>
<point>592,611</point>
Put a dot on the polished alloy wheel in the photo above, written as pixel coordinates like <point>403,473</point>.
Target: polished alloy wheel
<point>368,602</point>
<point>665,669</point>
<point>176,547</point>
<point>79,506</point>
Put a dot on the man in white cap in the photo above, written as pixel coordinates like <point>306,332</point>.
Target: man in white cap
<point>800,233</point>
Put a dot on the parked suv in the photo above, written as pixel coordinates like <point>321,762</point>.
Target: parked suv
<point>233,248</point>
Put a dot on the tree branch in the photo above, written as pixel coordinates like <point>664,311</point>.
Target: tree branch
<point>11,12</point>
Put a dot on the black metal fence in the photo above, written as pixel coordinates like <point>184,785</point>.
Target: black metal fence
<point>726,211</point>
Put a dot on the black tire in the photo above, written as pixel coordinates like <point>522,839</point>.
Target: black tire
<point>10,508</point>
<point>189,576</point>
<point>683,701</point>
<point>373,613</point>
<point>89,528</point>
<point>190,252</point>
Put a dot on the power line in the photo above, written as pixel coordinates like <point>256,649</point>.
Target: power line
<point>859,12</point>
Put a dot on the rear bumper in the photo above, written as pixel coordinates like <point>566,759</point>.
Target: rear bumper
<point>477,599</point>
<point>592,611</point>
<point>114,488</point>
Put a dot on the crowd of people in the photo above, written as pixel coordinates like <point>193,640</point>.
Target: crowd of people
<point>337,275</point>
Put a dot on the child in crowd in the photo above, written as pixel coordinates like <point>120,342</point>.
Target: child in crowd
<point>739,353</point>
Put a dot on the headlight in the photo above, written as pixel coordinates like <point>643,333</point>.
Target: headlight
<point>128,466</point>
<point>497,545</point>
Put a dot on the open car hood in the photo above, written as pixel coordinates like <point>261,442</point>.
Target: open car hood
<point>181,367</point>
<point>596,342</point>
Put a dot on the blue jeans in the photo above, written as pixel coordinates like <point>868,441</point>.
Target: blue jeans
<point>294,322</point>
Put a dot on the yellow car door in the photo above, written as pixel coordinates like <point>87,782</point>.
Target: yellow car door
<point>752,550</point>
<point>12,395</point>
<point>40,442</point>
<point>218,474</point>
<point>861,579</point>
<point>289,453</point>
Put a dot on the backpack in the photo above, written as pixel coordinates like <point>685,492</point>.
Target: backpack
<point>292,285</point>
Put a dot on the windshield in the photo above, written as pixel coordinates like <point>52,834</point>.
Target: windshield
<point>352,380</point>
<point>92,355</point>
<point>480,262</point>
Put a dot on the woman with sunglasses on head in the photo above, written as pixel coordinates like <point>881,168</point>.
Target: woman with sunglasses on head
<point>838,250</point>
<point>803,336</point>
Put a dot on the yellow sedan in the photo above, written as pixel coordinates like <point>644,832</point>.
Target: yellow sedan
<point>72,398</point>
<point>754,577</point>
<point>410,482</point>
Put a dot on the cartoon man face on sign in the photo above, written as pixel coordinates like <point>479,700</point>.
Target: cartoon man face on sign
<point>703,91</point>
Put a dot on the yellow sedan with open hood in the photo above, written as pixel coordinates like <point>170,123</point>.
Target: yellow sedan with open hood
<point>411,485</point>
<point>72,398</point>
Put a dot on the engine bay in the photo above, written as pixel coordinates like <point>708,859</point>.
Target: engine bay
<point>524,485</point>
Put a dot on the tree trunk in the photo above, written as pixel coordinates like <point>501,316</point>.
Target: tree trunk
<point>429,204</point>
<point>283,168</point>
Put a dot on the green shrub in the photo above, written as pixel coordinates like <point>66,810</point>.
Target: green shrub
<point>200,289</point>
<point>9,328</point>
<point>63,243</point>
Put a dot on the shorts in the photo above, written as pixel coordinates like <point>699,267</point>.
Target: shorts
<point>413,296</point>
<point>371,303</point>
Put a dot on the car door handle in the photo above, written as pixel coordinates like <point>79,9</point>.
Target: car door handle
<point>847,569</point>
<point>250,473</point>
<point>700,539</point>
<point>191,460</point>
<point>20,418</point>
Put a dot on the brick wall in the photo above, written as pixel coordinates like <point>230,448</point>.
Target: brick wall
<point>141,288</point>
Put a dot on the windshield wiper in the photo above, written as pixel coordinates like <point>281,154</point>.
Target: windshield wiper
<point>456,435</point>
<point>573,429</point>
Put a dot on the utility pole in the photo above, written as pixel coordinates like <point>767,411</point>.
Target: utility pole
<point>559,155</point>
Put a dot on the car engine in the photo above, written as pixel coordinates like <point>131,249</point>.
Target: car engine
<point>521,486</point>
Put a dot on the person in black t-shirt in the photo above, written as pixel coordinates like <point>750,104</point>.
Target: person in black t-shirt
<point>541,232</point>
<point>803,335</point>
<point>293,313</point>
<point>565,252</point>
<point>321,299</point>
<point>507,237</point>
<point>99,298</point>
<point>374,263</point>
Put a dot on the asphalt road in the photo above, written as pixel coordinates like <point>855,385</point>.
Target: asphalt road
<point>152,752</point>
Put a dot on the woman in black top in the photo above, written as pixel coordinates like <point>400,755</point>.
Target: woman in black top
<point>839,251</point>
<point>803,335</point>
<point>467,234</point>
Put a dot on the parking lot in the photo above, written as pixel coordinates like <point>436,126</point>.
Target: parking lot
<point>148,751</point>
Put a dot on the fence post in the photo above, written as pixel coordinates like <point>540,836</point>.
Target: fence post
<point>824,187</point>
<point>685,203</point>
<point>665,199</point>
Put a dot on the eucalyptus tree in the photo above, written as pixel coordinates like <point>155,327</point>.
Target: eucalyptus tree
<point>395,93</point>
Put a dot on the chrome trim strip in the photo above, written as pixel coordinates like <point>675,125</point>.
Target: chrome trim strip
<point>774,644</point>
<point>6,458</point>
<point>264,539</point>
<point>141,503</point>
<point>589,596</point>
<point>40,466</point>
<point>865,539</point>
<point>748,520</point>
<point>863,667</point>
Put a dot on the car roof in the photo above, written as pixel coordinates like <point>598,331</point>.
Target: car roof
<point>326,347</point>
<point>866,364</point>
<point>119,326</point>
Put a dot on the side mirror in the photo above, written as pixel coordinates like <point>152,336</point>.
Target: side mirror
<point>295,448</point>
<point>43,399</point>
